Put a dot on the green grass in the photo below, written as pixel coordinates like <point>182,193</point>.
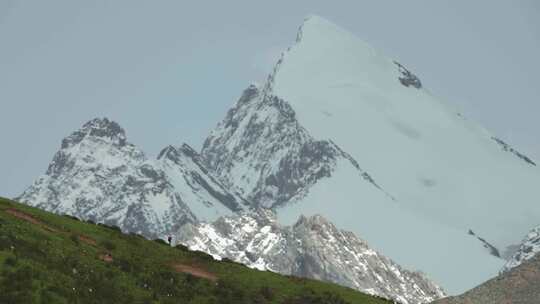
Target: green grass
<point>50,263</point>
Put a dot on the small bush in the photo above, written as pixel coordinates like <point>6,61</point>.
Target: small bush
<point>136,235</point>
<point>111,227</point>
<point>124,265</point>
<point>108,245</point>
<point>181,247</point>
<point>160,241</point>
<point>10,261</point>
<point>17,286</point>
<point>5,242</point>
<point>227,260</point>
<point>309,297</point>
<point>72,217</point>
<point>75,238</point>
<point>267,293</point>
<point>203,255</point>
<point>229,292</point>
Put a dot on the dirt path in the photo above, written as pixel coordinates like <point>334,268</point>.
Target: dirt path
<point>195,271</point>
<point>106,257</point>
<point>27,217</point>
<point>87,240</point>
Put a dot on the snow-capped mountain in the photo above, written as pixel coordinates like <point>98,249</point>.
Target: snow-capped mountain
<point>98,175</point>
<point>337,129</point>
<point>273,159</point>
<point>530,247</point>
<point>340,130</point>
<point>313,248</point>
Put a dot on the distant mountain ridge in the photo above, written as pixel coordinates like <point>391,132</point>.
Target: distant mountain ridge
<point>98,175</point>
<point>313,248</point>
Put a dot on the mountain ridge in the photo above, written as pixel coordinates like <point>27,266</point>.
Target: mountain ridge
<point>313,248</point>
<point>98,175</point>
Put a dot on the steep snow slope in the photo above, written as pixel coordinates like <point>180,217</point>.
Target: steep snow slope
<point>530,247</point>
<point>97,174</point>
<point>313,248</point>
<point>436,175</point>
<point>418,148</point>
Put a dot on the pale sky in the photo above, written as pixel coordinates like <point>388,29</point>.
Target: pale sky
<point>167,71</point>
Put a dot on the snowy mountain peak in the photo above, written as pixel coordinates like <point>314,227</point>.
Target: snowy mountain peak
<point>180,154</point>
<point>189,151</point>
<point>102,128</point>
<point>317,27</point>
<point>98,175</point>
<point>312,222</point>
<point>168,152</point>
<point>333,104</point>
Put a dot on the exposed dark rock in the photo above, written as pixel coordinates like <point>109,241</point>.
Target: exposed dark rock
<point>407,78</point>
<point>492,249</point>
<point>506,147</point>
<point>261,145</point>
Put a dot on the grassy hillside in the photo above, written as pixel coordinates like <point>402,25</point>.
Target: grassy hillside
<point>47,258</point>
<point>519,285</point>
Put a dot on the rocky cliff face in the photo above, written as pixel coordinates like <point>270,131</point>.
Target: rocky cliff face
<point>313,248</point>
<point>261,151</point>
<point>98,175</point>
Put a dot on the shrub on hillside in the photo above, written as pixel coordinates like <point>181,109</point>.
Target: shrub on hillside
<point>111,227</point>
<point>75,239</point>
<point>107,244</point>
<point>309,297</point>
<point>203,255</point>
<point>160,241</point>
<point>10,261</point>
<point>71,217</point>
<point>16,286</point>
<point>182,247</point>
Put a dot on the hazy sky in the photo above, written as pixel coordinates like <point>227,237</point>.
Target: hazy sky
<point>167,71</point>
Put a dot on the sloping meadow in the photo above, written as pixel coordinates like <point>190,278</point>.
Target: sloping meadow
<point>47,258</point>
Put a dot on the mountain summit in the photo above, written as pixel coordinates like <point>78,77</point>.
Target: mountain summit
<point>98,175</point>
<point>341,130</point>
<point>98,127</point>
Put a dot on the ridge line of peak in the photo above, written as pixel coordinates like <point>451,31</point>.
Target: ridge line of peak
<point>97,127</point>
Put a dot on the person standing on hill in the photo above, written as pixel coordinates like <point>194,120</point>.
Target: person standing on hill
<point>169,238</point>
